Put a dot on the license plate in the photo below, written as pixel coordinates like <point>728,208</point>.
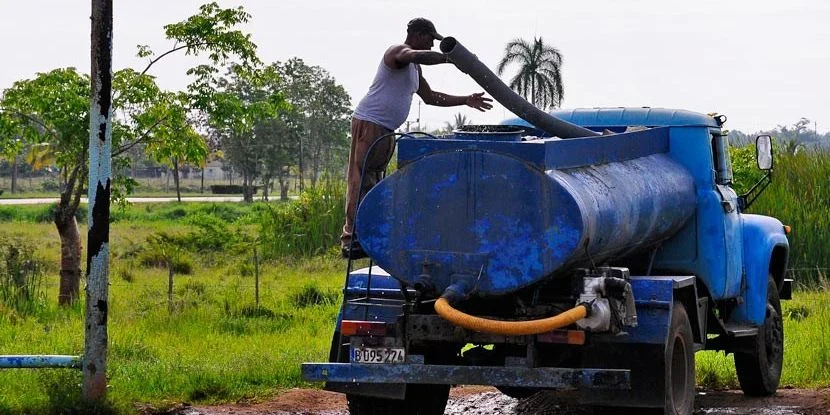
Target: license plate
<point>378,355</point>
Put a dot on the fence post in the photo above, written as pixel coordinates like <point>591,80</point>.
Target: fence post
<point>100,173</point>
<point>256,273</point>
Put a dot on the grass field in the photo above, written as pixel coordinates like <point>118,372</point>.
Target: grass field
<point>216,344</point>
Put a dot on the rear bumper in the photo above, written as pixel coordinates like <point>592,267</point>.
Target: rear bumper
<point>543,377</point>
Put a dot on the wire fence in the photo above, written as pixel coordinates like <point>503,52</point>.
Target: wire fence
<point>272,282</point>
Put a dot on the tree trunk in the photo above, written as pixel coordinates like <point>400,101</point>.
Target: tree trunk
<point>176,179</point>
<point>315,169</point>
<point>170,285</point>
<point>300,167</point>
<point>266,187</point>
<point>14,175</point>
<point>256,275</point>
<point>202,188</point>
<point>284,184</point>
<point>70,273</point>
<point>247,189</point>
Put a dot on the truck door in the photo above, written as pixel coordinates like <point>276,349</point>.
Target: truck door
<point>731,216</point>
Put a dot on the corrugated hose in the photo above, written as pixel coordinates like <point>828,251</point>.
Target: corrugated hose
<point>509,328</point>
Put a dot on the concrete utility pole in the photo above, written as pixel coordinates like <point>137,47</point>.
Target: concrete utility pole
<point>100,176</point>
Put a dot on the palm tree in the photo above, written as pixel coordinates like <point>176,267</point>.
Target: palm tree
<point>539,79</point>
<point>459,120</point>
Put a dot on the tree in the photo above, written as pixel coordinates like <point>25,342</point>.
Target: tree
<point>54,107</point>
<point>539,78</point>
<point>458,121</point>
<point>242,100</point>
<point>323,107</point>
<point>279,138</point>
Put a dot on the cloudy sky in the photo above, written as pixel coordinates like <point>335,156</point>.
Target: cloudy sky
<point>761,62</point>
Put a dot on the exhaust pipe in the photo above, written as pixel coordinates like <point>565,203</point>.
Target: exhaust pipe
<point>469,64</point>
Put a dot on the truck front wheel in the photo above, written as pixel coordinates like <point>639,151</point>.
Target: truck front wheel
<point>420,400</point>
<point>759,369</point>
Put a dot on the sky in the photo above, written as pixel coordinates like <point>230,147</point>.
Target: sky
<point>762,63</point>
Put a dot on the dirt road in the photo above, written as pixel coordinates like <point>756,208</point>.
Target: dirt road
<point>488,401</point>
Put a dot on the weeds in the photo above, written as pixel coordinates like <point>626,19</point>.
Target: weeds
<point>21,277</point>
<point>307,226</point>
<point>798,196</point>
<point>310,295</point>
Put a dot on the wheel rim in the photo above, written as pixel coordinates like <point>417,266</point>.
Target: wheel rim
<point>679,374</point>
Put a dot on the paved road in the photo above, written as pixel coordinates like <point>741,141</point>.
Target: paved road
<point>46,200</point>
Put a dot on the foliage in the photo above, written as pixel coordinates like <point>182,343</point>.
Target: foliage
<point>54,108</point>
<point>320,119</point>
<point>219,347</point>
<point>806,346</point>
<point>21,276</point>
<point>307,226</point>
<point>539,78</point>
<point>745,170</point>
<point>227,189</point>
<point>459,120</point>
<point>790,138</point>
<point>241,101</point>
<point>798,197</point>
<point>311,295</point>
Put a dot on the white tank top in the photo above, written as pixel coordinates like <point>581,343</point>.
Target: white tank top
<point>390,96</point>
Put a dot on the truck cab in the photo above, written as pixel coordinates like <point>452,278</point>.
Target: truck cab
<point>502,256</point>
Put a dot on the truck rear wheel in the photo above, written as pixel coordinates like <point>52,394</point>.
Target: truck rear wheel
<point>759,370</point>
<point>680,364</point>
<point>420,400</point>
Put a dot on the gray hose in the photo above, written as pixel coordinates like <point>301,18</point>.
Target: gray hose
<point>469,64</point>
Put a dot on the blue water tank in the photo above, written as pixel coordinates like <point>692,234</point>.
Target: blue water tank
<point>513,214</point>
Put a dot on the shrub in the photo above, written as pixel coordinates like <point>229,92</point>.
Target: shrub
<point>50,185</point>
<point>125,274</point>
<point>311,295</point>
<point>307,226</point>
<point>158,254</point>
<point>228,189</point>
<point>21,277</point>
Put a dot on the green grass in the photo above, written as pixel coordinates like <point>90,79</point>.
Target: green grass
<point>799,196</point>
<point>213,348</point>
<point>216,346</point>
<point>806,346</point>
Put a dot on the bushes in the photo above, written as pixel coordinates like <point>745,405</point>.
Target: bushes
<point>228,189</point>
<point>307,226</point>
<point>798,196</point>
<point>310,295</point>
<point>21,277</point>
<point>36,213</point>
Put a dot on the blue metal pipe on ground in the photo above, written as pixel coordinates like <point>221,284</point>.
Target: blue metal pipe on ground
<point>40,362</point>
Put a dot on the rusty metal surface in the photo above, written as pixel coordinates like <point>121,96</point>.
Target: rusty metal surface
<point>556,378</point>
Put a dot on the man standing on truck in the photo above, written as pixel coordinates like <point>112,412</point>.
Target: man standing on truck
<point>385,107</point>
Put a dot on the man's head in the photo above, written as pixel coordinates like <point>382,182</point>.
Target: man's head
<point>421,33</point>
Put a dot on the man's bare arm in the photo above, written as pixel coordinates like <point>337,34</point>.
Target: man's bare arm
<point>400,56</point>
<point>440,99</point>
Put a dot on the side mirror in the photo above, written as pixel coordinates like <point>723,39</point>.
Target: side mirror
<point>763,152</point>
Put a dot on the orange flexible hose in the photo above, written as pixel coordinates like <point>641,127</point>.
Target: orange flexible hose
<point>508,328</point>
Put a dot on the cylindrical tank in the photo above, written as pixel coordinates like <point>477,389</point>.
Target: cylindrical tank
<point>505,223</point>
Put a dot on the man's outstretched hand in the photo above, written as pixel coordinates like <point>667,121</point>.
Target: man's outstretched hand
<point>479,102</point>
